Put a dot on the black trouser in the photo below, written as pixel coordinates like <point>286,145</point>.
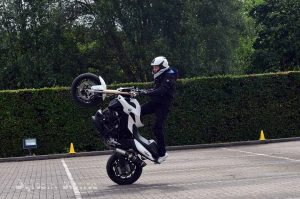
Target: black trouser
<point>161,113</point>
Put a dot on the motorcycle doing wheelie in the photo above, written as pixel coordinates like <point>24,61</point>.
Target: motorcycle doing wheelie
<point>117,126</point>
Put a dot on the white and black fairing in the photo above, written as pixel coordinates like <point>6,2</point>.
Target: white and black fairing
<point>118,125</point>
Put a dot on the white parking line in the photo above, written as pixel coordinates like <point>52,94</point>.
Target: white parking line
<point>73,183</point>
<point>265,155</point>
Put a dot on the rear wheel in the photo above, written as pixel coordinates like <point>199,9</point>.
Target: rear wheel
<point>80,92</point>
<point>123,171</point>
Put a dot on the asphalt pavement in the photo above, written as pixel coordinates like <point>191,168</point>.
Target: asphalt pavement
<point>252,171</point>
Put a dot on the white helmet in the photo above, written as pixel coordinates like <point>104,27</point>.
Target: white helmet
<point>163,64</point>
<point>160,61</point>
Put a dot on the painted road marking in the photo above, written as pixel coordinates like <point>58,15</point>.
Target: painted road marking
<point>73,183</point>
<point>265,155</point>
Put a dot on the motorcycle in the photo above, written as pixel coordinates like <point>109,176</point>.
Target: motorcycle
<point>117,126</point>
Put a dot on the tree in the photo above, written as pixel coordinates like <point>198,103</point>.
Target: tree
<point>137,31</point>
<point>242,54</point>
<point>277,47</point>
<point>38,47</point>
<point>221,26</point>
<point>49,42</point>
<point>198,37</point>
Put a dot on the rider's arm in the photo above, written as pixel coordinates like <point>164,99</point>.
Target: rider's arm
<point>167,84</point>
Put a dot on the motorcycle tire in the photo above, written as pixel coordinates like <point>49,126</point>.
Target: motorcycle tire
<point>126,178</point>
<point>80,96</point>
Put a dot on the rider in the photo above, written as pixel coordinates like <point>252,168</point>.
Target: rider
<point>161,98</point>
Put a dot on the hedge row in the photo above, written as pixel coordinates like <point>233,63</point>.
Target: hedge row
<point>206,110</point>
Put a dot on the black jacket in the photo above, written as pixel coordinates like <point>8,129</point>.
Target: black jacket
<point>164,88</point>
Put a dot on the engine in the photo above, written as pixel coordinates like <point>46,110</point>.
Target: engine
<point>107,124</point>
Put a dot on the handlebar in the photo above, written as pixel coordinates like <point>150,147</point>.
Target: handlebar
<point>133,91</point>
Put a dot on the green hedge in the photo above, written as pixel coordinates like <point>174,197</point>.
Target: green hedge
<point>206,110</point>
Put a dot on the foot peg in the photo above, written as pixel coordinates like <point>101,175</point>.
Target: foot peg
<point>138,161</point>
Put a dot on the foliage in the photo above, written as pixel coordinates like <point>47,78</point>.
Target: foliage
<point>48,42</point>
<point>277,47</point>
<point>205,110</point>
<point>35,38</point>
<point>244,51</point>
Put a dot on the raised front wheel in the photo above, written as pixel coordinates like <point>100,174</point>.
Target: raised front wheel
<point>80,90</point>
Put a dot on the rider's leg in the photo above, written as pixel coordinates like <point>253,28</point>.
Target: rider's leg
<point>161,116</point>
<point>147,108</point>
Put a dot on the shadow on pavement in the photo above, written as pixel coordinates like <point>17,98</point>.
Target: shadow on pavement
<point>135,189</point>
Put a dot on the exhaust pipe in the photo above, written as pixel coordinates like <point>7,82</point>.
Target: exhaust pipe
<point>137,160</point>
<point>131,157</point>
<point>121,151</point>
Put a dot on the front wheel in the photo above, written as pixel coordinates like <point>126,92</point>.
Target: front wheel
<point>123,171</point>
<point>80,93</point>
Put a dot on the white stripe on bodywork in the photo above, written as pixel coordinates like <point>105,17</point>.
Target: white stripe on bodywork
<point>127,108</point>
<point>143,150</point>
